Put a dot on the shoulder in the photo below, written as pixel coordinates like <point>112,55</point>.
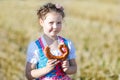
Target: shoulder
<point>32,52</point>
<point>32,45</point>
<point>69,42</point>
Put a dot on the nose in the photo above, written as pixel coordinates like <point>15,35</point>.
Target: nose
<point>55,25</point>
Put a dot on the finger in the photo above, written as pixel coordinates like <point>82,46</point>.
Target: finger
<point>52,61</point>
<point>65,61</point>
<point>55,63</point>
<point>65,69</point>
<point>65,66</point>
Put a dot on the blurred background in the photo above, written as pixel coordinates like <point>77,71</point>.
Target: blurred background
<point>92,25</point>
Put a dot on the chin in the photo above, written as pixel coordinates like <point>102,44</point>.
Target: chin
<point>54,34</point>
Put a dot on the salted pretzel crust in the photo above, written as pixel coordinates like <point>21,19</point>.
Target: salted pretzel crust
<point>63,49</point>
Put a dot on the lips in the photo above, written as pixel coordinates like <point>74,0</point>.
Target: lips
<point>53,30</point>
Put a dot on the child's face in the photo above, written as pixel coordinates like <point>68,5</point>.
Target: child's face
<point>52,23</point>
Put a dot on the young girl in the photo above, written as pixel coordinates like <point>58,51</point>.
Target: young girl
<point>38,66</point>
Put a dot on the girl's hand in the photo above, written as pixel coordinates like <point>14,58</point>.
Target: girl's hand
<point>65,65</point>
<point>51,64</point>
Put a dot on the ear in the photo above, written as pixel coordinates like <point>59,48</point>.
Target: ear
<point>41,22</point>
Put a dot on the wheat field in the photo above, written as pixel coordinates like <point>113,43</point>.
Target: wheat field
<point>92,25</point>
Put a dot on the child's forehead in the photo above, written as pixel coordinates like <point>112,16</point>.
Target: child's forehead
<point>53,15</point>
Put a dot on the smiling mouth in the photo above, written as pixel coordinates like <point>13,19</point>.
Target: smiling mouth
<point>54,31</point>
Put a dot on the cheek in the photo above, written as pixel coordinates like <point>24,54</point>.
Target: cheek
<point>47,29</point>
<point>60,27</point>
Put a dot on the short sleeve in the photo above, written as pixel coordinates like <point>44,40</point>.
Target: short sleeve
<point>31,53</point>
<point>72,54</point>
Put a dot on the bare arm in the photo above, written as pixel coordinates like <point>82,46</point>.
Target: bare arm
<point>33,73</point>
<point>69,66</point>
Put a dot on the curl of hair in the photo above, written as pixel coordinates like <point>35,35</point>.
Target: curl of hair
<point>48,8</point>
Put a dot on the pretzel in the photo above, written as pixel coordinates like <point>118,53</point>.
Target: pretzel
<point>64,52</point>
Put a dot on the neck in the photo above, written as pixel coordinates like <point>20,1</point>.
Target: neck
<point>50,40</point>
